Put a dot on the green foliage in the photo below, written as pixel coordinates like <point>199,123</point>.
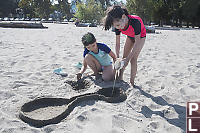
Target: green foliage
<point>36,8</point>
<point>106,3</point>
<point>27,6</point>
<point>91,11</point>
<point>190,9</point>
<point>73,19</point>
<point>142,8</point>
<point>7,7</point>
<point>166,11</point>
<point>43,8</point>
<point>64,7</point>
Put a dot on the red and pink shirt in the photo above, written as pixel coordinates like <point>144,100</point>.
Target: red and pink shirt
<point>135,27</point>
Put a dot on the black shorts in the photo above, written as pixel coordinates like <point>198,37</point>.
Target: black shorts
<point>134,37</point>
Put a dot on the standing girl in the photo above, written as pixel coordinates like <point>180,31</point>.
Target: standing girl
<point>133,27</point>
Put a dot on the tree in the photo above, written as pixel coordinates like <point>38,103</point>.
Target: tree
<point>64,7</point>
<point>42,8</point>
<point>191,12</point>
<point>90,11</point>
<point>142,8</point>
<point>36,8</point>
<point>7,7</point>
<point>28,7</point>
<point>160,12</point>
<point>172,12</point>
<point>105,3</point>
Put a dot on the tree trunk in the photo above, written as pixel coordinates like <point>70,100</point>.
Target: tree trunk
<point>180,23</point>
<point>172,22</point>
<point>176,23</point>
<point>161,23</point>
<point>193,23</point>
<point>187,24</point>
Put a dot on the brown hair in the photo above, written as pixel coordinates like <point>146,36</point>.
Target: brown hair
<point>88,38</point>
<point>113,13</point>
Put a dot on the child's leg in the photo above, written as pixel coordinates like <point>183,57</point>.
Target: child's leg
<point>127,49</point>
<point>108,73</point>
<point>134,60</point>
<point>93,63</point>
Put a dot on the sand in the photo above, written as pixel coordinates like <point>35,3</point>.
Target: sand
<point>168,77</point>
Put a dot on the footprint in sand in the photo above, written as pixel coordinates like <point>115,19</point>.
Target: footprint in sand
<point>6,95</point>
<point>154,125</point>
<point>82,118</point>
<point>177,75</point>
<point>18,84</point>
<point>163,72</point>
<point>8,130</point>
<point>122,123</point>
<point>152,82</point>
<point>38,74</point>
<point>28,74</point>
<point>198,65</point>
<point>49,129</point>
<point>193,86</point>
<point>13,63</point>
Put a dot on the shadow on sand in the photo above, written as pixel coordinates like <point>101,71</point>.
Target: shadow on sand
<point>99,82</point>
<point>180,110</point>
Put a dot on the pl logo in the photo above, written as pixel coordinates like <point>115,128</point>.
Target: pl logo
<point>193,117</point>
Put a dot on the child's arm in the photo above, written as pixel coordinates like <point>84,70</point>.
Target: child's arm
<point>113,55</point>
<point>83,69</point>
<point>117,47</point>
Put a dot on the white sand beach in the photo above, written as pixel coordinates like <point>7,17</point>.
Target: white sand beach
<point>168,76</point>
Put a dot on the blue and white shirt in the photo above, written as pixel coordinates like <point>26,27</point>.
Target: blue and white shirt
<point>102,56</point>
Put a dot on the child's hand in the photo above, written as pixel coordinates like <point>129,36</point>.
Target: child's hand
<point>125,61</point>
<point>79,75</point>
<point>119,64</point>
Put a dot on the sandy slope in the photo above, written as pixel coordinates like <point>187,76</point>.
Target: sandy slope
<point>168,76</point>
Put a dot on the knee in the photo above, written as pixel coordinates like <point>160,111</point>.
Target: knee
<point>133,60</point>
<point>88,58</point>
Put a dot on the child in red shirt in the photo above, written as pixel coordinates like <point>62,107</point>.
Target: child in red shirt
<point>133,27</point>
